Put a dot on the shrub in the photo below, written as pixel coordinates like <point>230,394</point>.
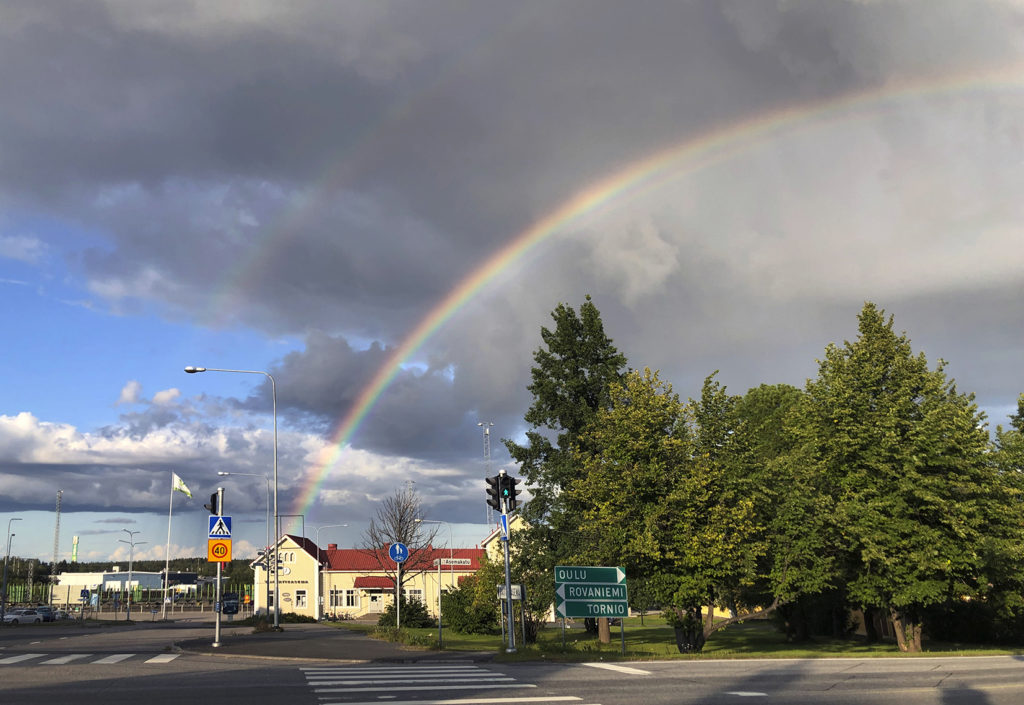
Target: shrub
<point>463,614</point>
<point>414,614</point>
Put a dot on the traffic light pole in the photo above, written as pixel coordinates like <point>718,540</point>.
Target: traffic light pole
<point>508,582</point>
<point>220,565</point>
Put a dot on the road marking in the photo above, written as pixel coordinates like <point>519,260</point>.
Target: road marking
<point>396,669</point>
<point>398,681</point>
<point>421,688</point>
<point>114,658</point>
<point>67,659</point>
<point>620,669</point>
<point>471,701</point>
<point>20,657</point>
<point>163,658</point>
<point>747,694</point>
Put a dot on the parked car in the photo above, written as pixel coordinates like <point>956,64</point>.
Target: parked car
<point>22,616</point>
<point>46,612</point>
<point>60,614</point>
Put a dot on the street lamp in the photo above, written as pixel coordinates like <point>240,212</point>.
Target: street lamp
<point>316,604</point>
<point>3,593</point>
<point>267,552</point>
<point>277,531</point>
<point>451,569</point>
<point>131,557</point>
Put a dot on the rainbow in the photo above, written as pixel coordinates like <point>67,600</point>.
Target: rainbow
<point>683,158</point>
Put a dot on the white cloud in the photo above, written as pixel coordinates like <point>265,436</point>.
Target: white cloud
<point>130,393</point>
<point>24,248</point>
<point>166,396</point>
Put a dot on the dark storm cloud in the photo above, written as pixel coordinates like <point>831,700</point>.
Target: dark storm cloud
<point>332,171</point>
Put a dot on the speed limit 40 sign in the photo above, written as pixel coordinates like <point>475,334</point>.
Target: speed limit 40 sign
<point>218,550</point>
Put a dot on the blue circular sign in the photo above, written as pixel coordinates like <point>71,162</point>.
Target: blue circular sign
<point>398,552</point>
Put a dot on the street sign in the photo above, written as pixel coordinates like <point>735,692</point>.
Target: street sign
<point>504,526</point>
<point>220,527</point>
<point>591,591</point>
<point>218,551</point>
<point>398,552</point>
<point>517,591</point>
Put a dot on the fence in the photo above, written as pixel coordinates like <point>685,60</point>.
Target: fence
<point>70,595</point>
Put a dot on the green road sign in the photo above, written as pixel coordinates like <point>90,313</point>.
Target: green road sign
<point>589,574</point>
<point>590,591</point>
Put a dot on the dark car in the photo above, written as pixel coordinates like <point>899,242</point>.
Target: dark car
<point>46,612</point>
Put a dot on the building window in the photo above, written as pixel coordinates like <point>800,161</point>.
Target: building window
<point>416,594</point>
<point>336,597</point>
<point>270,598</point>
<point>300,598</point>
<point>352,598</point>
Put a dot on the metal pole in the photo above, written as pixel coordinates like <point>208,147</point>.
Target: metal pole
<point>218,606</point>
<point>277,520</point>
<point>508,585</point>
<point>440,637</point>
<point>7,555</point>
<point>131,556</point>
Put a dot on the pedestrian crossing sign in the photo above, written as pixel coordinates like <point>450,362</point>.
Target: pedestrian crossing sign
<point>220,527</point>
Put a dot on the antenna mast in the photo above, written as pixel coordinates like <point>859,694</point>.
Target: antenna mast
<point>56,544</point>
<point>486,426</point>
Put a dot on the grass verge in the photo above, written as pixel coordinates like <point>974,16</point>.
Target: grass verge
<point>654,640</point>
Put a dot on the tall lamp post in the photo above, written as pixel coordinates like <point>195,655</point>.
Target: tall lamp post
<point>131,557</point>
<point>316,605</point>
<point>451,569</point>
<point>277,534</point>
<point>267,554</point>
<point>3,593</point>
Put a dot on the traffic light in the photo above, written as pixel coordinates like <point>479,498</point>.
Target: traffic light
<point>509,492</point>
<point>494,492</point>
<point>212,506</point>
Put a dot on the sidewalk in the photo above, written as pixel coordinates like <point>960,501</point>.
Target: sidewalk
<point>316,641</point>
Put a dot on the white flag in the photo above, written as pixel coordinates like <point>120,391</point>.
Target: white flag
<point>178,484</point>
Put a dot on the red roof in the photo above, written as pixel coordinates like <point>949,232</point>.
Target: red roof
<point>366,560</point>
<point>374,581</point>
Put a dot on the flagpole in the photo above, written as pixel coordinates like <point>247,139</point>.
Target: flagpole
<point>167,552</point>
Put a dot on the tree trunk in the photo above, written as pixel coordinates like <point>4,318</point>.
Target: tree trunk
<point>870,628</point>
<point>604,631</point>
<point>908,631</point>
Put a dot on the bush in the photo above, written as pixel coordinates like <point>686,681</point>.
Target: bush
<point>463,615</point>
<point>414,614</point>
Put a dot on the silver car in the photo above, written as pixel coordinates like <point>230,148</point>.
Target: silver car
<point>23,616</point>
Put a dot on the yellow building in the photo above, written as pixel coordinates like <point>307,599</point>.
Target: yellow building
<point>351,582</point>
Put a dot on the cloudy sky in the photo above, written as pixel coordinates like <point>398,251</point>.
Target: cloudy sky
<point>383,201</point>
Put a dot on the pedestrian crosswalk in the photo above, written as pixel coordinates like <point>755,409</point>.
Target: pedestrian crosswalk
<point>422,684</point>
<point>62,659</point>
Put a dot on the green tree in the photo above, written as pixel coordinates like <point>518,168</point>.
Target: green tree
<point>903,452</point>
<point>570,381</point>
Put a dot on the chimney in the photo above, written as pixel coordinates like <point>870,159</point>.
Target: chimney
<point>332,547</point>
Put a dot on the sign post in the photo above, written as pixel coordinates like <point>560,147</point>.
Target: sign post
<point>399,554</point>
<point>592,591</point>
<point>218,550</point>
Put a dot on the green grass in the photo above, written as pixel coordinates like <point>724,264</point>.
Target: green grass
<point>654,640</point>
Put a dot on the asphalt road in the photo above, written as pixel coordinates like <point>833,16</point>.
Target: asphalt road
<point>112,665</point>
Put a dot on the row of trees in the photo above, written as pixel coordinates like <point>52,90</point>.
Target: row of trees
<point>876,486</point>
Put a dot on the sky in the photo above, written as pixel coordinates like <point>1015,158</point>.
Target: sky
<point>380,204</point>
